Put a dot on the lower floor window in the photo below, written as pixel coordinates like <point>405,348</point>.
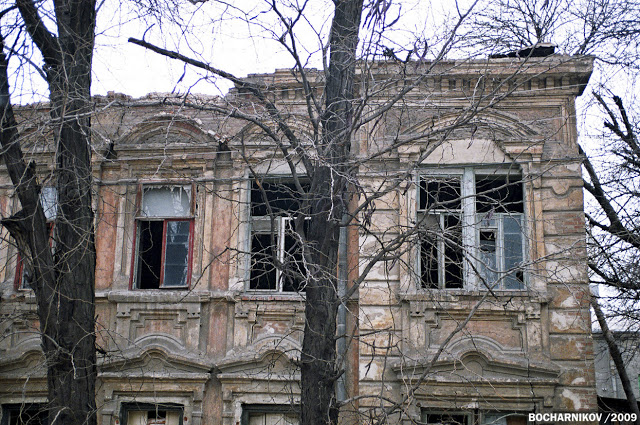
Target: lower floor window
<point>152,414</point>
<point>470,418</point>
<point>270,415</point>
<point>444,418</point>
<point>24,414</point>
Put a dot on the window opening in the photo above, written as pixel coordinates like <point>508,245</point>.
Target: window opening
<point>499,208</point>
<point>150,414</point>
<point>24,414</point>
<point>477,417</point>
<point>270,415</point>
<point>472,231</point>
<point>441,250</point>
<point>443,418</point>
<point>164,237</point>
<point>277,262</point>
<point>503,419</point>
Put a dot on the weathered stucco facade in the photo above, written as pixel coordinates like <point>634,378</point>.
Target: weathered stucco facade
<point>496,326</point>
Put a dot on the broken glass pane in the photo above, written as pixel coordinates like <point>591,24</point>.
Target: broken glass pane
<point>513,258</point>
<point>165,201</point>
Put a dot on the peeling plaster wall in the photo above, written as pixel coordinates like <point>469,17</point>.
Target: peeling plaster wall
<point>216,347</point>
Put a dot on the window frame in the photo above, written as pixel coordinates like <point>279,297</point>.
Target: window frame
<point>34,409</point>
<point>477,416</point>
<point>468,416</point>
<point>276,224</point>
<point>134,283</point>
<point>472,222</point>
<point>126,408</point>
<point>249,409</point>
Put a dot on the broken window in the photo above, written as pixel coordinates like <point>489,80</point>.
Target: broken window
<point>24,414</point>
<point>500,219</point>
<point>444,418</point>
<point>258,414</point>
<point>151,414</point>
<point>441,243</point>
<point>477,417</point>
<point>164,233</point>
<point>277,262</point>
<point>471,231</point>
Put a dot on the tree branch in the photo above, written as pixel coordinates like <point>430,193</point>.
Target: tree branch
<point>46,42</point>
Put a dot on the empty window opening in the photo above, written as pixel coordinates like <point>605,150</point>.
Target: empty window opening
<point>277,262</point>
<point>471,231</point>
<point>164,237</point>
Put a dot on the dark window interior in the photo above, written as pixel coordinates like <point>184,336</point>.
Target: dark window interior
<point>150,254</point>
<point>163,269</point>
<point>440,194</point>
<point>451,243</point>
<point>501,194</point>
<point>156,413</point>
<point>446,419</point>
<point>281,199</point>
<point>252,411</point>
<point>24,414</point>
<point>263,270</point>
<point>488,240</point>
<point>429,263</point>
<point>453,254</point>
<point>293,270</point>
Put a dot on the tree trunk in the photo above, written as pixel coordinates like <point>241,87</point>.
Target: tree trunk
<point>327,204</point>
<point>63,281</point>
<point>617,360</point>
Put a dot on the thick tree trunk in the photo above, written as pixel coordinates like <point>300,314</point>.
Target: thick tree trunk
<point>614,351</point>
<point>71,347</point>
<point>63,281</point>
<point>327,204</point>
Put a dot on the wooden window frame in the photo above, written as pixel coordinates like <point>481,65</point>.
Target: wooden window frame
<point>134,283</point>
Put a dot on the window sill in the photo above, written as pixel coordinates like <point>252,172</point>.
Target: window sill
<point>463,294</point>
<point>271,296</point>
<point>159,296</point>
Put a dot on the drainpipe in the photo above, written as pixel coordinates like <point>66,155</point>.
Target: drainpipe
<point>341,344</point>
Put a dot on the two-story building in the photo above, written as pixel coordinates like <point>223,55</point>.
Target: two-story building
<point>479,314</point>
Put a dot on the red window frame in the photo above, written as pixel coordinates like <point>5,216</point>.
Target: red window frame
<point>133,284</point>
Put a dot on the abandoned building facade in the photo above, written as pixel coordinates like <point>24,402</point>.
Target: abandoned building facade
<point>480,316</point>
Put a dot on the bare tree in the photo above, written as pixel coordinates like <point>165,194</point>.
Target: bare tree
<point>614,232</point>
<point>63,281</point>
<point>325,164</point>
<point>606,29</point>
<point>338,102</point>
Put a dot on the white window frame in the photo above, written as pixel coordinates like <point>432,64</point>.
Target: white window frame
<point>472,225</point>
<point>138,414</point>
<point>263,225</point>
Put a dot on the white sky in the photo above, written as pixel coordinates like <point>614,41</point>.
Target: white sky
<point>228,43</point>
